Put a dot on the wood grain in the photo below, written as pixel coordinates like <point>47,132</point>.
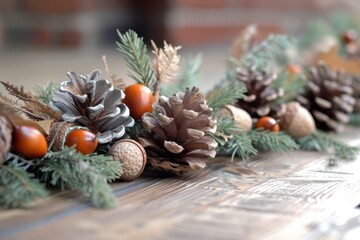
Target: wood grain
<point>295,195</point>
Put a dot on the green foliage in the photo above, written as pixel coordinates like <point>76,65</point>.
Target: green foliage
<point>44,93</point>
<point>292,86</point>
<point>322,142</point>
<point>315,31</point>
<point>264,140</point>
<point>267,50</point>
<point>86,173</point>
<point>226,93</point>
<point>188,77</point>
<point>231,141</point>
<point>18,188</point>
<point>135,54</point>
<point>354,119</point>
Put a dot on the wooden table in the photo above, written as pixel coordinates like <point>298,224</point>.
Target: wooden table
<point>295,195</point>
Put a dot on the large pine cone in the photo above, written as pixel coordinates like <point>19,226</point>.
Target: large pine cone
<point>356,87</point>
<point>328,97</point>
<point>5,139</point>
<point>93,103</point>
<point>259,100</point>
<point>176,139</point>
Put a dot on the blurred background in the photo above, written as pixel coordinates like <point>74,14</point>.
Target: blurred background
<point>40,40</point>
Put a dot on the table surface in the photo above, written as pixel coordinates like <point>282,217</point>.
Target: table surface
<point>294,195</point>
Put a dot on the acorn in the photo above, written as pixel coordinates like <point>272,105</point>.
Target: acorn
<point>240,116</point>
<point>84,141</point>
<point>28,141</point>
<point>268,123</point>
<point>297,121</point>
<point>59,130</point>
<point>132,156</point>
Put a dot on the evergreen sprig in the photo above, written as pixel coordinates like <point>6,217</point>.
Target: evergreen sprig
<point>322,142</point>
<point>354,119</point>
<point>292,86</point>
<point>44,93</point>
<point>267,50</point>
<point>86,173</point>
<point>232,141</point>
<point>224,94</point>
<point>264,140</point>
<point>188,76</point>
<point>18,188</point>
<point>135,54</point>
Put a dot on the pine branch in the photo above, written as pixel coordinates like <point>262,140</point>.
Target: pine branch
<point>292,86</point>
<point>354,119</point>
<point>18,188</point>
<point>232,141</point>
<point>322,142</point>
<point>271,141</point>
<point>224,94</point>
<point>44,93</point>
<point>134,50</point>
<point>86,173</point>
<point>267,50</point>
<point>187,77</point>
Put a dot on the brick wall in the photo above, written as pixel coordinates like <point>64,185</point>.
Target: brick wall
<point>194,22</point>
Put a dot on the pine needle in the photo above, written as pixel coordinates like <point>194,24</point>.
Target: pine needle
<point>224,94</point>
<point>44,93</point>
<point>322,142</point>
<point>243,42</point>
<point>166,65</point>
<point>86,173</point>
<point>270,141</point>
<point>354,119</point>
<point>261,54</point>
<point>18,188</point>
<point>292,86</point>
<point>134,50</point>
<point>188,76</point>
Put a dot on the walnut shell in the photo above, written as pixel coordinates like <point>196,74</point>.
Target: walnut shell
<point>132,156</point>
<point>297,121</point>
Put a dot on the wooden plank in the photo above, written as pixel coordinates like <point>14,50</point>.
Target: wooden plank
<point>271,196</point>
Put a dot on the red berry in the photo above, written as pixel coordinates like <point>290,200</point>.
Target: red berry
<point>139,99</point>
<point>84,141</point>
<point>293,68</point>
<point>349,36</point>
<point>268,123</point>
<point>29,142</point>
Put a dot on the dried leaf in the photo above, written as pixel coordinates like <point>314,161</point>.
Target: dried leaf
<point>243,41</point>
<point>116,82</point>
<point>166,64</point>
<point>31,105</point>
<point>337,63</point>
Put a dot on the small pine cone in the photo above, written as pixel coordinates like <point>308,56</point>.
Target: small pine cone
<point>93,103</point>
<point>260,96</point>
<point>328,97</point>
<point>5,139</point>
<point>176,139</point>
<point>356,87</point>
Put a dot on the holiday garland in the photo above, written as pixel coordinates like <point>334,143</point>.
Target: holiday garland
<point>86,132</point>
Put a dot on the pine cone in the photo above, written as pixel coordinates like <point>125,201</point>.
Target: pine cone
<point>328,97</point>
<point>5,139</point>
<point>260,96</point>
<point>93,103</point>
<point>176,139</point>
<point>356,87</point>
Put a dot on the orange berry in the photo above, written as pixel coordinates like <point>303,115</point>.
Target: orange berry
<point>268,123</point>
